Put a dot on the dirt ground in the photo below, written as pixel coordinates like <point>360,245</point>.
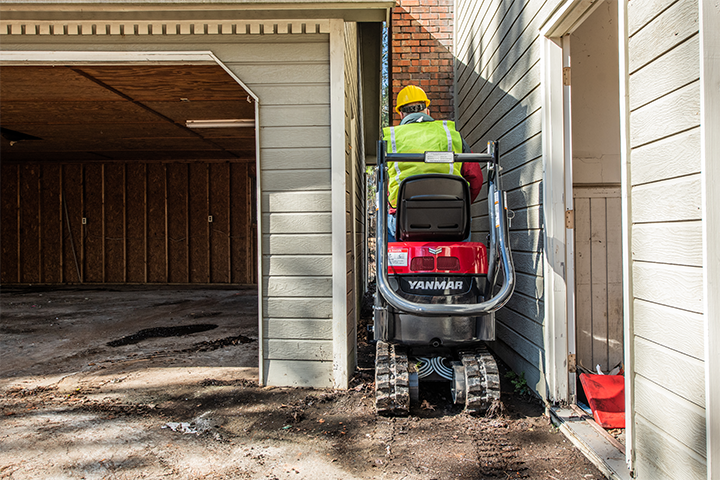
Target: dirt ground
<point>134,382</point>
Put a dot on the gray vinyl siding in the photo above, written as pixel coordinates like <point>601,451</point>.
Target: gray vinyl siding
<point>290,76</point>
<point>666,235</point>
<point>497,97</point>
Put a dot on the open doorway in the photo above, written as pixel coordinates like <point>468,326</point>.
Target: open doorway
<point>594,141</point>
<point>128,216</point>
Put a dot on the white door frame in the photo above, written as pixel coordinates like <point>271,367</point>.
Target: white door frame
<point>554,273</point>
<point>628,326</point>
<point>557,191</point>
<point>559,264</point>
<point>710,152</point>
<point>121,58</point>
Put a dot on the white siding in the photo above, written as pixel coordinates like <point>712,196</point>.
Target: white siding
<point>498,77</point>
<point>666,233</point>
<point>290,76</point>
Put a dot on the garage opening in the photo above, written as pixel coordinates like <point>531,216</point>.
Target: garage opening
<point>127,174</point>
<point>128,223</point>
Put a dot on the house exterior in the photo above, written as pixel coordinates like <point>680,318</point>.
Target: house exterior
<point>173,200</point>
<point>603,111</point>
<point>605,114</point>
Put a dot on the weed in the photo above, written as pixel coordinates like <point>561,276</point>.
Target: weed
<point>519,383</point>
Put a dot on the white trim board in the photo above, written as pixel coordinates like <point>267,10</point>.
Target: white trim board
<point>628,324</point>
<point>710,176</point>
<point>168,27</point>
<point>339,237</point>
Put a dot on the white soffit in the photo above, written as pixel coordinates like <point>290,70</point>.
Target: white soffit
<point>133,27</point>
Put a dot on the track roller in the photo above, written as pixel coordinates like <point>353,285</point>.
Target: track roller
<point>392,386</point>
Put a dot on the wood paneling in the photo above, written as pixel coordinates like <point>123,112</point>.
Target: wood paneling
<point>145,222</point>
<point>219,208</point>
<point>115,263</point>
<point>598,277</point>
<point>51,224</point>
<point>143,83</point>
<point>122,112</point>
<point>198,223</point>
<point>30,224</point>
<point>73,242</point>
<point>9,262</point>
<point>94,229</point>
<point>674,371</point>
<point>177,222</point>
<point>157,223</point>
<point>136,228</point>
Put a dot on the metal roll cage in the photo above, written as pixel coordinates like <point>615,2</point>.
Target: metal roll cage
<point>499,244</point>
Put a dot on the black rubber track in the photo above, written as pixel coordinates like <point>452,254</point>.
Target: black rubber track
<point>392,391</point>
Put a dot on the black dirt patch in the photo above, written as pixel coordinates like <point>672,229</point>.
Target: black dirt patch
<point>161,332</point>
<point>171,302</point>
<point>204,314</point>
<point>216,344</point>
<point>241,382</point>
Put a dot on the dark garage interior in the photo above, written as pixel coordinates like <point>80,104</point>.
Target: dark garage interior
<point>106,180</point>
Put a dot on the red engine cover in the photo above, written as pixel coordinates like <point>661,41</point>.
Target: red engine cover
<point>437,257</point>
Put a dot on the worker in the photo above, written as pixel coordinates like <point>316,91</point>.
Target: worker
<point>418,132</point>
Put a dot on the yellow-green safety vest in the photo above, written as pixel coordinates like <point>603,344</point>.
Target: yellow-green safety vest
<point>420,137</point>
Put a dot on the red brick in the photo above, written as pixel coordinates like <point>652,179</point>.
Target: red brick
<point>422,43</point>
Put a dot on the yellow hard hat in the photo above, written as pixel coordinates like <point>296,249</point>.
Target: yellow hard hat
<point>411,94</point>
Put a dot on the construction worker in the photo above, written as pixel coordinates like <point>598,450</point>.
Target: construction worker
<point>418,132</point>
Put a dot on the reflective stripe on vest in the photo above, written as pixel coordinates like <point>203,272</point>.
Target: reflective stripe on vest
<point>420,137</point>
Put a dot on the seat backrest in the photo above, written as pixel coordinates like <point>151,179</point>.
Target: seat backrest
<point>433,207</point>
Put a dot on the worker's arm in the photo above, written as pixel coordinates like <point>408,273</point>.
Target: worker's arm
<point>472,172</point>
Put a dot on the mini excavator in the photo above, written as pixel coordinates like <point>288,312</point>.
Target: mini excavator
<point>437,294</point>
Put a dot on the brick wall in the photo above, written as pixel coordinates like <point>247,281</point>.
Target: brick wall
<point>422,53</point>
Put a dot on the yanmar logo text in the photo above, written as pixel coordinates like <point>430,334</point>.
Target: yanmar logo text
<point>435,284</point>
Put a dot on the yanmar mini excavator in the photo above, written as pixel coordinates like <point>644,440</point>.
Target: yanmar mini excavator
<point>437,294</point>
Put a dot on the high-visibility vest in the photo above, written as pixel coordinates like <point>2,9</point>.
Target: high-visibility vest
<point>420,137</point>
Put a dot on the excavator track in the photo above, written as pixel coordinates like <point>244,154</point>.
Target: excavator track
<point>392,391</point>
<point>482,381</point>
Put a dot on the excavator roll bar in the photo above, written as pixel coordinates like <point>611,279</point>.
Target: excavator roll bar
<point>499,233</point>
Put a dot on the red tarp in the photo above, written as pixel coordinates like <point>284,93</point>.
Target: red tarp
<point>606,395</point>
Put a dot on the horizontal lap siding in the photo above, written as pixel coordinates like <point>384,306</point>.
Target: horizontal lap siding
<point>666,219</point>
<point>290,75</point>
<point>498,78</point>
<point>291,79</point>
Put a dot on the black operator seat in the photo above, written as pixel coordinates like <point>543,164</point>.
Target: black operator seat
<point>433,207</point>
